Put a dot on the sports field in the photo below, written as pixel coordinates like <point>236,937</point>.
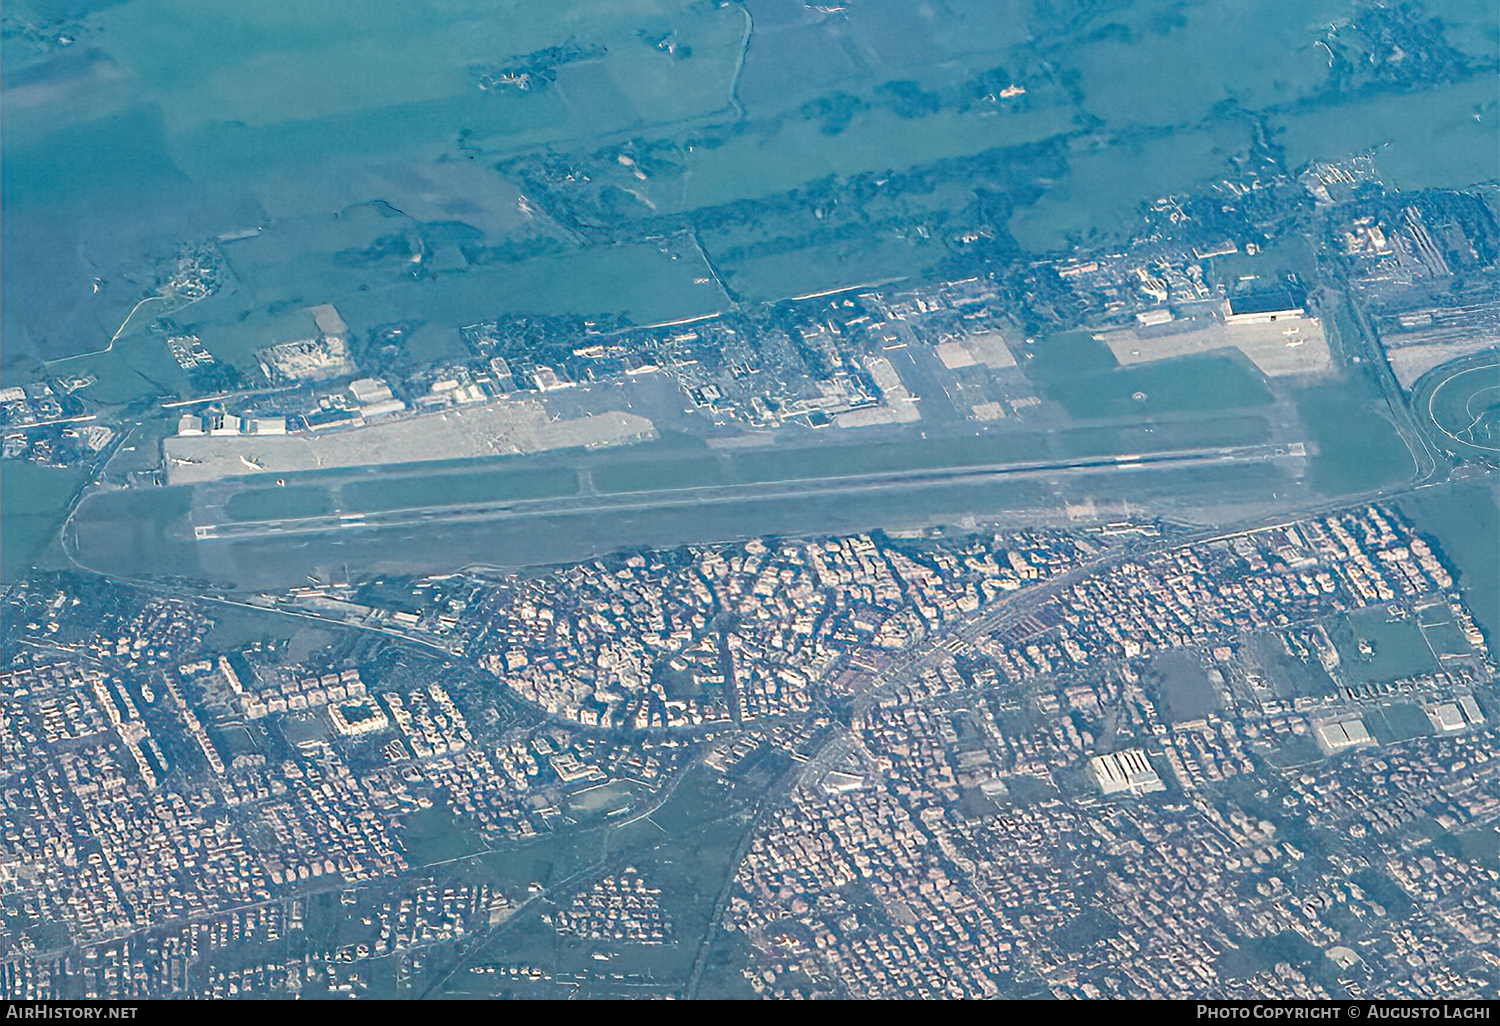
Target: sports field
<point>1460,402</point>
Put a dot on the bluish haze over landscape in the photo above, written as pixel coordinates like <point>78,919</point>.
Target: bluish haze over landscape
<point>749,499</point>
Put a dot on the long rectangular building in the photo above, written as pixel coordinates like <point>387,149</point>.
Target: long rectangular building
<point>1129,770</point>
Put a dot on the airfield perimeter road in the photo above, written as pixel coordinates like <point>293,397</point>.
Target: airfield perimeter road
<point>959,637</point>
<point>1366,350</point>
<point>838,743</point>
<point>760,491</point>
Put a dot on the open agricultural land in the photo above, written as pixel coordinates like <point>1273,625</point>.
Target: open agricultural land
<point>665,499</point>
<point>661,167</point>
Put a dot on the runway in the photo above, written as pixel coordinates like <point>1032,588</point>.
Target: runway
<point>677,498</point>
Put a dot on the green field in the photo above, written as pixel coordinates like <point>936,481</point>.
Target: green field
<point>1288,675</point>
<point>1109,177</point>
<point>498,484</point>
<point>237,626</point>
<point>32,502</point>
<point>646,475</point>
<point>1252,955</point>
<point>436,835</point>
<point>279,503</point>
<point>838,264</point>
<point>1080,373</point>
<point>591,806</point>
<point>1465,521</point>
<point>643,283</point>
<point>139,364</point>
<point>1357,448</point>
<point>137,533</point>
<point>215,67</point>
<point>1183,686</point>
<point>1399,650</point>
<point>1172,65</point>
<point>1439,137</point>
<point>1447,639</point>
<point>298,261</point>
<point>978,450</point>
<point>750,165</point>
<point>1400,721</point>
<point>1461,400</point>
<point>1480,844</point>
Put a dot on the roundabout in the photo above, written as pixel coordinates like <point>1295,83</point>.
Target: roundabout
<point>1458,405</point>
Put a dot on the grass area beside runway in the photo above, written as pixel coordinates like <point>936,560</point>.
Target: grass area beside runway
<point>635,471</point>
<point>274,503</point>
<point>491,485</point>
<point>32,502</point>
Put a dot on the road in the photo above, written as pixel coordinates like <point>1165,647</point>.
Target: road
<point>466,955</point>
<point>905,667</point>
<point>926,653</point>
<point>1425,398</point>
<point>112,339</point>
<point>1367,351</point>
